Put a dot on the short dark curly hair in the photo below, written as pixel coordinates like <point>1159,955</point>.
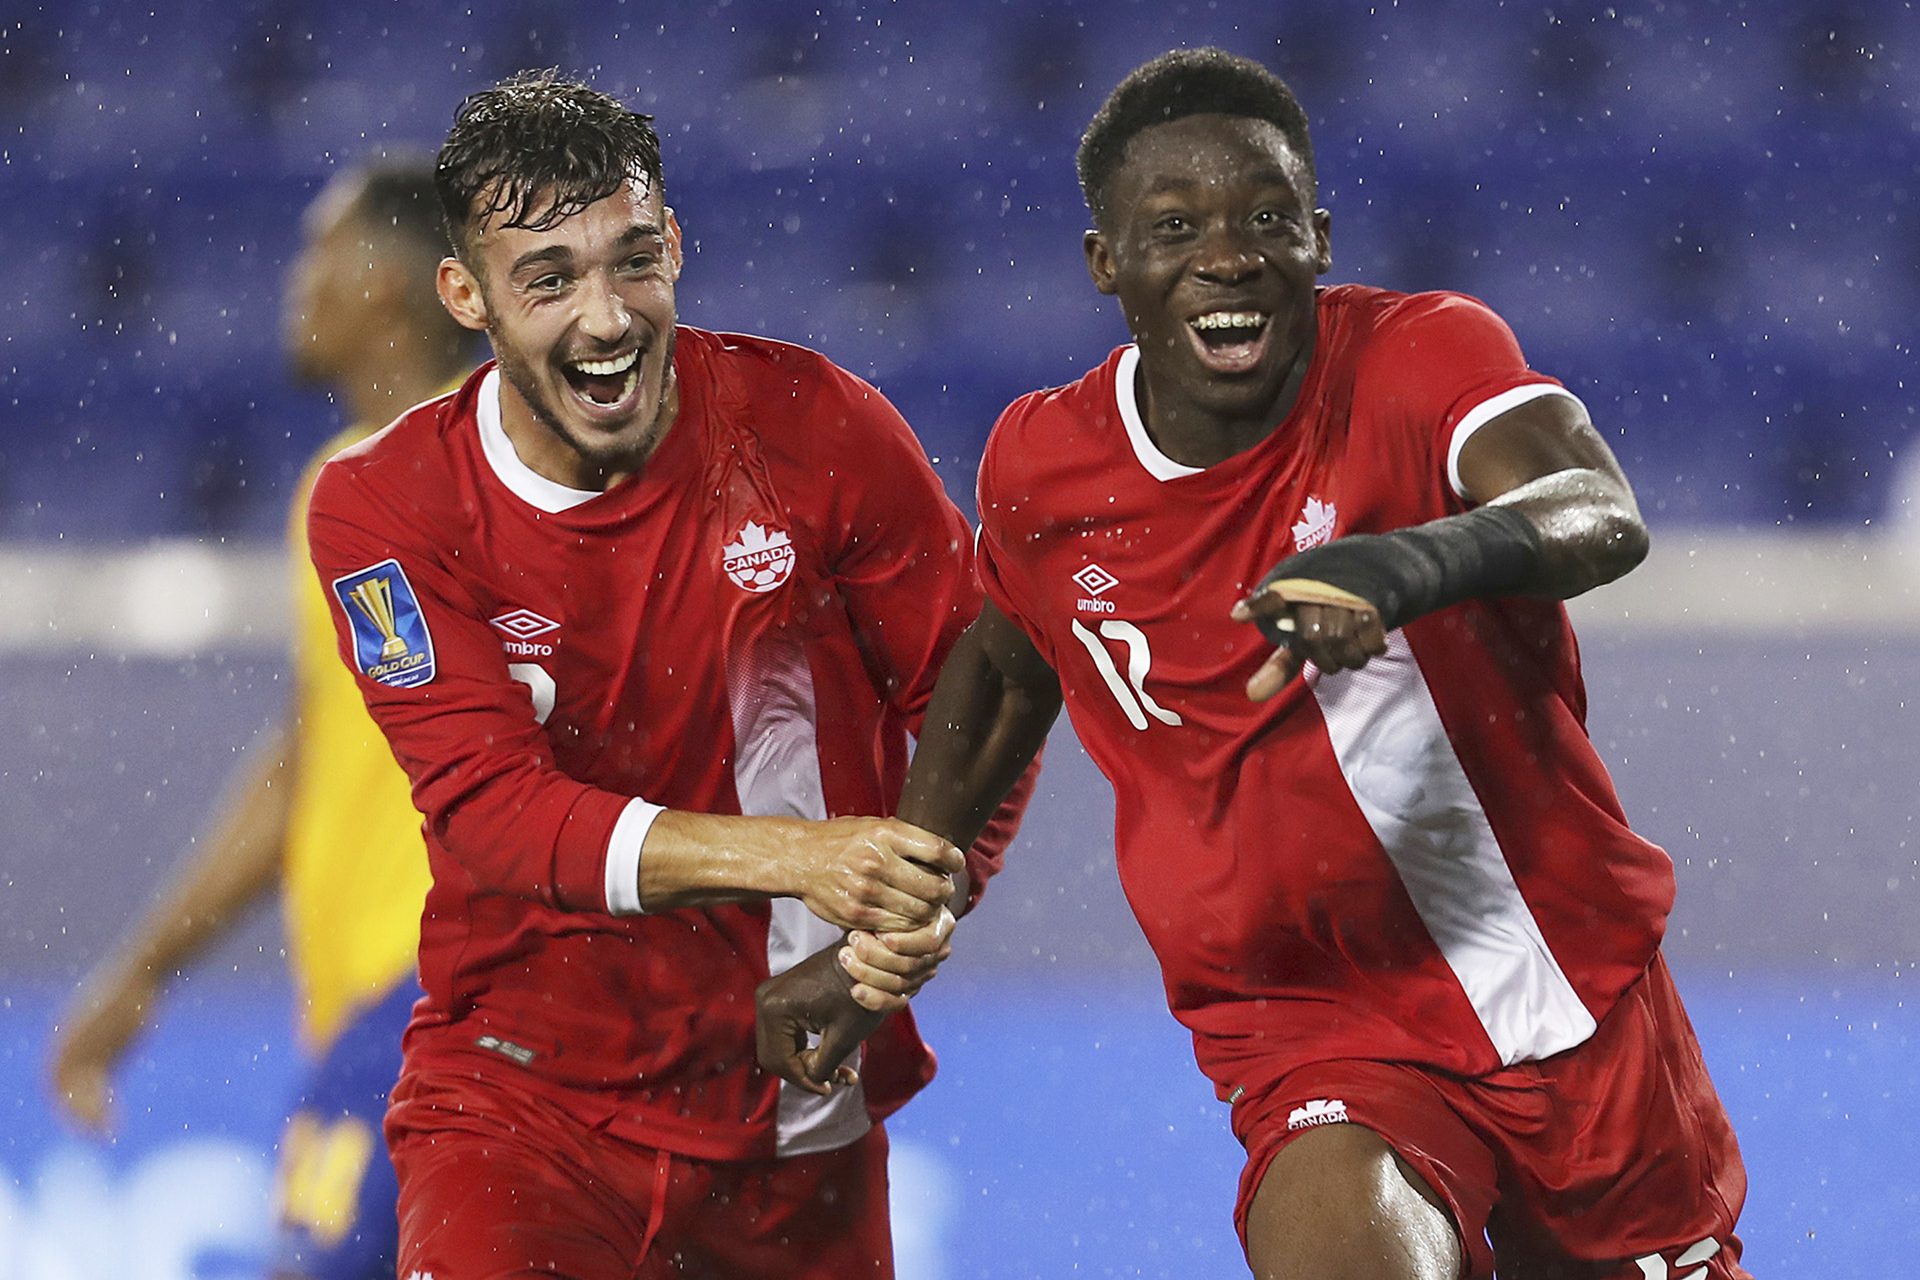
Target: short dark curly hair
<point>1180,83</point>
<point>395,193</point>
<point>538,148</point>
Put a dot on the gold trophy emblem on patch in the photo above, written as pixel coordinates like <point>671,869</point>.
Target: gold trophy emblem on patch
<point>375,598</point>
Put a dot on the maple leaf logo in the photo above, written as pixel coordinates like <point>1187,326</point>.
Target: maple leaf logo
<point>758,559</point>
<point>1315,525</point>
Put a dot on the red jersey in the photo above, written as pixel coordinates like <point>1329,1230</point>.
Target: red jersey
<point>751,625</point>
<point>1421,860</point>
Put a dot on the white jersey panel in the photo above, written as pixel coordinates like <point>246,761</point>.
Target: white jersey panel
<point>1394,753</point>
<point>776,772</point>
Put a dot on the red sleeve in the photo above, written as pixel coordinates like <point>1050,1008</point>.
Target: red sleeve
<point>998,508</point>
<point>459,724</point>
<point>1441,357</point>
<point>904,563</point>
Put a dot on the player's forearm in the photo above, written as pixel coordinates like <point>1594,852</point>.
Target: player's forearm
<point>1590,530</point>
<point>706,859</point>
<point>1555,535</point>
<point>237,862</point>
<point>982,729</point>
<point>856,873</point>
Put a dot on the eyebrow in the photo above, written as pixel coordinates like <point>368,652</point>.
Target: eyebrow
<point>554,254</point>
<point>560,255</point>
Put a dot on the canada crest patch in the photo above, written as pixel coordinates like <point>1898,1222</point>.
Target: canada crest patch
<point>758,559</point>
<point>391,642</point>
<point>1315,524</point>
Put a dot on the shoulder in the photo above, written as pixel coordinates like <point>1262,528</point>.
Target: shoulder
<point>384,471</point>
<point>1049,429</point>
<point>1390,326</point>
<point>759,366</point>
<point>799,404</point>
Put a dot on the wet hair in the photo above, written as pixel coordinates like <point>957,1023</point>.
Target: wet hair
<point>536,149</point>
<point>1185,82</point>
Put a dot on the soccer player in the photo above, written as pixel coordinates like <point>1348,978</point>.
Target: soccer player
<point>319,809</point>
<point>640,608</point>
<point>1293,560</point>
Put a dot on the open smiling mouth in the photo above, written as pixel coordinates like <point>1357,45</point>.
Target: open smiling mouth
<point>1230,341</point>
<point>604,384</point>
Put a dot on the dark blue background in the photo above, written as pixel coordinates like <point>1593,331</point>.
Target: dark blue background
<point>1699,215</point>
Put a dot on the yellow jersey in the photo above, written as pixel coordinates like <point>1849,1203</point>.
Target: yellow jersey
<point>356,873</point>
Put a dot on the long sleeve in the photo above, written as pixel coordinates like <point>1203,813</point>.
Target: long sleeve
<point>462,727</point>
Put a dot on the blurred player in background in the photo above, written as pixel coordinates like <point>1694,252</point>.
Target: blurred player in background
<point>1293,560</point>
<point>319,809</point>
<point>626,587</point>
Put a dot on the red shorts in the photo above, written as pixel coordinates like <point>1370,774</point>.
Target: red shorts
<point>495,1183</point>
<point>1611,1161</point>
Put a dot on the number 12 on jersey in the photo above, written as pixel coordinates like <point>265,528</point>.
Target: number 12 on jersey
<point>1131,691</point>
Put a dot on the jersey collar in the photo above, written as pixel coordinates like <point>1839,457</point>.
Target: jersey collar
<point>1158,464</point>
<point>523,481</point>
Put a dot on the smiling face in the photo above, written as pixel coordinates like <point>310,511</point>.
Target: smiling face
<point>581,317</point>
<point>1212,244</point>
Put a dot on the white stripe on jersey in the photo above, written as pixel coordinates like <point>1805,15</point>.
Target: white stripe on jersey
<point>1402,770</point>
<point>776,772</point>
<point>1486,411</point>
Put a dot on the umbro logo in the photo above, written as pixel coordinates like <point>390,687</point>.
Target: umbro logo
<point>1096,582</point>
<point>523,625</point>
<point>1317,1112</point>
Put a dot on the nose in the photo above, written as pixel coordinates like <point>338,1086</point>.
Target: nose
<point>1226,257</point>
<point>603,312</point>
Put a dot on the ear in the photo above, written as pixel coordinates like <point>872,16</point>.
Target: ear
<point>1322,242</point>
<point>460,294</point>
<point>1099,260</point>
<point>675,251</point>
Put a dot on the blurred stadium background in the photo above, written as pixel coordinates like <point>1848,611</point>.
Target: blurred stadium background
<point>1699,215</point>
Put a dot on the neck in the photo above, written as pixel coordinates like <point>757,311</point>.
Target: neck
<point>392,380</point>
<point>1199,435</point>
<point>550,454</point>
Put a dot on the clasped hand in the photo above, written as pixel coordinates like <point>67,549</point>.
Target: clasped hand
<point>841,994</point>
<point>875,874</point>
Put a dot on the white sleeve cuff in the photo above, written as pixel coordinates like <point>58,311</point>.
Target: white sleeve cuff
<point>1486,411</point>
<point>623,856</point>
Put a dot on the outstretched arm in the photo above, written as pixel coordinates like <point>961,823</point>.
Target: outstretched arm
<point>1557,518</point>
<point>236,865</point>
<point>991,710</point>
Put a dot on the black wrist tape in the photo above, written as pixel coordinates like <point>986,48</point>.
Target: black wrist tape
<point>1489,551</point>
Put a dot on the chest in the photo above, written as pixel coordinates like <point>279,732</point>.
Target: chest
<point>1134,591</point>
<point>639,629</point>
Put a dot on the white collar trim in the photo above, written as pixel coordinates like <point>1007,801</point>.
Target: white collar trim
<point>525,483</point>
<point>1158,464</point>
